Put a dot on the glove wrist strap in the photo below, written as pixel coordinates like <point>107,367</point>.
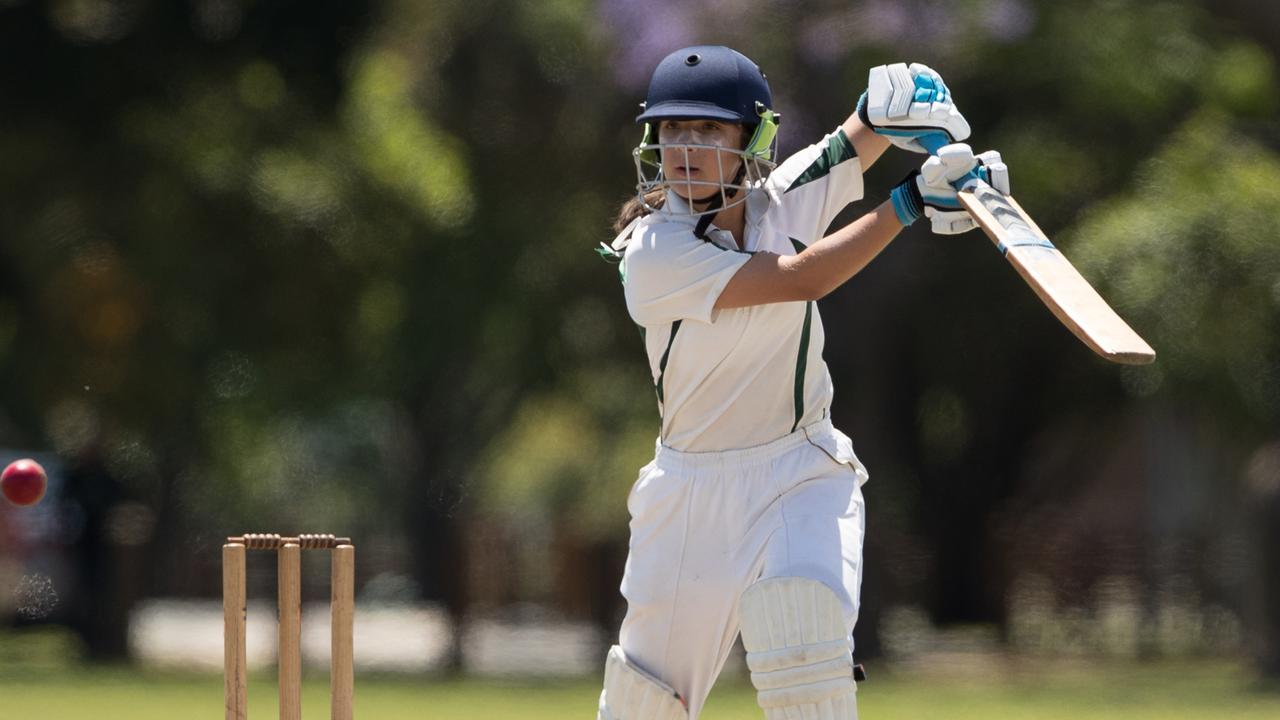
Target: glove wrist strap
<point>908,204</point>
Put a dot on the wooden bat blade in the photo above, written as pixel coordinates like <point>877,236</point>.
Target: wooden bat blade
<point>1060,286</point>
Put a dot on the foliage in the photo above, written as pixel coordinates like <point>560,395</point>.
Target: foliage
<point>1188,253</point>
<point>329,264</point>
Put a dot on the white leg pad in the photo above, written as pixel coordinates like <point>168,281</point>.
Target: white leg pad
<point>798,650</point>
<point>633,694</point>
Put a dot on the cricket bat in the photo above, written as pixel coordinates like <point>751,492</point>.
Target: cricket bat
<point>1060,286</point>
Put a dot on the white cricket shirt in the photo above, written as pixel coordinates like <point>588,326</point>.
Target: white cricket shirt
<point>740,377</point>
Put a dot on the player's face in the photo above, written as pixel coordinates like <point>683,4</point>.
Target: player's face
<point>693,167</point>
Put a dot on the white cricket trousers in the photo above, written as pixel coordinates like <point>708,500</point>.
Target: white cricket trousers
<point>705,526</point>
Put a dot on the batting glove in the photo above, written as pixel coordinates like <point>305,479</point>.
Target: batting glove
<point>931,190</point>
<point>904,102</point>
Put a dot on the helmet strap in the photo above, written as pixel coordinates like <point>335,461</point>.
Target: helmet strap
<point>704,222</point>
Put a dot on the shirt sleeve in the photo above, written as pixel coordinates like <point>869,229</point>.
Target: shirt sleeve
<point>812,186</point>
<point>670,275</point>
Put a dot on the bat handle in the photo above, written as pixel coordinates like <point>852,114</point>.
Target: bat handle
<point>933,142</point>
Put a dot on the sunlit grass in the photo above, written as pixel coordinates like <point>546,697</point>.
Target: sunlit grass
<point>985,689</point>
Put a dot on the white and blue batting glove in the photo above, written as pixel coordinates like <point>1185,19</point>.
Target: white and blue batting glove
<point>903,102</point>
<point>931,190</point>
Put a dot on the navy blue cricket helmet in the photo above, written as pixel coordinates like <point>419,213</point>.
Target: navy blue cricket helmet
<point>707,81</point>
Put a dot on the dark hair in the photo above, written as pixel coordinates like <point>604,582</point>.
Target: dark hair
<point>633,208</point>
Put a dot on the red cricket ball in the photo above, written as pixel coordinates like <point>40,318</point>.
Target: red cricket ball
<point>23,482</point>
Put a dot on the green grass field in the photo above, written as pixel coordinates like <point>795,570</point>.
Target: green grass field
<point>1006,690</point>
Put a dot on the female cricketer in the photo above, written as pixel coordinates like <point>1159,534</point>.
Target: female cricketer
<point>750,517</point>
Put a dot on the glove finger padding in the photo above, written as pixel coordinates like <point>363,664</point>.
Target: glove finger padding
<point>905,102</point>
<point>939,172</point>
<point>949,222</point>
<point>995,172</point>
<point>919,70</point>
<point>937,175</point>
<point>990,157</point>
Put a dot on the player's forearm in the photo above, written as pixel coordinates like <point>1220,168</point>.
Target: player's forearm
<point>866,143</point>
<point>817,270</point>
<point>828,263</point>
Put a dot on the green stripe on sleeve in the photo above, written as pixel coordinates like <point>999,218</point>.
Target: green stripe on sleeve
<point>838,150</point>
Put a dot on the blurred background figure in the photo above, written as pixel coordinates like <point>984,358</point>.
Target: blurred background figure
<point>106,582</point>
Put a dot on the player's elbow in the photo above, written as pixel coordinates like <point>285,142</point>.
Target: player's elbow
<point>807,290</point>
<point>803,280</point>
<point>817,292</point>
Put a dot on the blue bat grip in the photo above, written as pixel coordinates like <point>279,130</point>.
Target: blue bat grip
<point>933,142</point>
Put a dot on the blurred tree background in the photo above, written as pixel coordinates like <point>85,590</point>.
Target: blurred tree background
<point>326,266</point>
